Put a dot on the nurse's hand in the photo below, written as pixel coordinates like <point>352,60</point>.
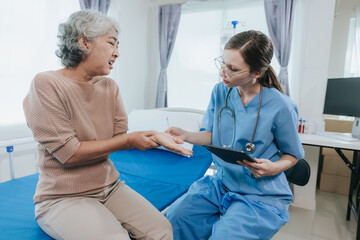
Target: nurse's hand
<point>171,143</point>
<point>177,132</point>
<point>261,167</point>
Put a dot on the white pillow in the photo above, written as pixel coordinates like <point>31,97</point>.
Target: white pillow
<point>160,120</point>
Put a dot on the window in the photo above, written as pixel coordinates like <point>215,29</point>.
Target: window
<point>191,71</point>
<point>352,68</point>
<point>27,44</point>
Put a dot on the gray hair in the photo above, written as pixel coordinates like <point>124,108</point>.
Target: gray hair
<point>87,23</point>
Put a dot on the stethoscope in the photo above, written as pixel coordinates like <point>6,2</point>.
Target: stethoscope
<point>249,147</point>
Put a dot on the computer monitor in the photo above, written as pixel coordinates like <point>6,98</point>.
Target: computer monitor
<point>343,98</point>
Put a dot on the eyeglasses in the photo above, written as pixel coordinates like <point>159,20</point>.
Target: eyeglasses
<point>220,65</point>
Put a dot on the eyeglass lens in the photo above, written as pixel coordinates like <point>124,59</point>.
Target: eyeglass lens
<point>220,65</point>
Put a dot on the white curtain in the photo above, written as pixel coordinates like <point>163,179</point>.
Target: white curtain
<point>99,5</point>
<point>280,18</point>
<point>352,62</point>
<point>169,18</point>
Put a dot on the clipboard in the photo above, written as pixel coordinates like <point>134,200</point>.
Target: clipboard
<point>229,155</point>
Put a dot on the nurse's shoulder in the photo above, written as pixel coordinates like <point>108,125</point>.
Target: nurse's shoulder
<point>281,106</point>
<point>275,97</point>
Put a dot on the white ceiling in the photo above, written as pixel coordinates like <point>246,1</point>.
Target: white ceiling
<point>163,2</point>
<point>190,4</point>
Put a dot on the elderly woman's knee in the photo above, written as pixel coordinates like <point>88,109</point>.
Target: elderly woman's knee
<point>167,230</point>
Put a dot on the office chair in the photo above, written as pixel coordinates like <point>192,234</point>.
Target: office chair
<point>299,174</point>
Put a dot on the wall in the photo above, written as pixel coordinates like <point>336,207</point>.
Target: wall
<point>305,196</point>
<point>311,54</point>
<point>138,65</point>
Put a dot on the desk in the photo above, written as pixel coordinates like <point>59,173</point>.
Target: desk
<point>312,144</point>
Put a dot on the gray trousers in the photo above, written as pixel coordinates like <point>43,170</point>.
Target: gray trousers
<point>116,213</point>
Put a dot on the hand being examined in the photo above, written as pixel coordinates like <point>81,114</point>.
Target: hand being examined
<point>171,143</point>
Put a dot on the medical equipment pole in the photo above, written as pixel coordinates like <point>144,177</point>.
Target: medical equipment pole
<point>10,149</point>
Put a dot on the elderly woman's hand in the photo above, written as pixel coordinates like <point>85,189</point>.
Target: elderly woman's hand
<point>142,140</point>
<point>171,143</point>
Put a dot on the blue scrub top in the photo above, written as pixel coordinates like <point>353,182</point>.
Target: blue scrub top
<point>278,120</point>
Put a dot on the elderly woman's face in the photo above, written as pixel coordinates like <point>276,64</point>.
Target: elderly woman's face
<point>103,53</point>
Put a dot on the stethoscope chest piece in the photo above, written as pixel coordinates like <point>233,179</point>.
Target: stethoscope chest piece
<point>250,147</point>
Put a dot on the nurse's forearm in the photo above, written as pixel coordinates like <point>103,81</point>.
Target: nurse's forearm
<point>285,162</point>
<point>198,138</point>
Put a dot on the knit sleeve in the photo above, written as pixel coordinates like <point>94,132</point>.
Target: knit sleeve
<point>120,119</point>
<point>47,117</point>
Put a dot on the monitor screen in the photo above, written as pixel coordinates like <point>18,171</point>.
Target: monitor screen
<point>343,97</point>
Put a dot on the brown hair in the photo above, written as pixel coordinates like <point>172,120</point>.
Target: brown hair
<point>257,51</point>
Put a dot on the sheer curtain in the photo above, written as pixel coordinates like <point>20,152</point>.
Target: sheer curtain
<point>352,62</point>
<point>280,18</point>
<point>100,5</point>
<point>169,17</point>
<point>27,46</point>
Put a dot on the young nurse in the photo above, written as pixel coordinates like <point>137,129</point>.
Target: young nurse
<point>247,112</point>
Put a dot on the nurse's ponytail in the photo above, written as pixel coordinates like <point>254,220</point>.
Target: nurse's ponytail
<point>257,51</point>
<point>269,79</point>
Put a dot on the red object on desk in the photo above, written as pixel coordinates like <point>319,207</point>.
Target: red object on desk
<point>303,127</point>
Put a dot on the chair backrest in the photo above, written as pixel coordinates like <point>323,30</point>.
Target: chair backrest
<point>299,174</point>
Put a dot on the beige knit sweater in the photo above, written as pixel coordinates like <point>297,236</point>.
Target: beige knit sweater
<point>61,113</point>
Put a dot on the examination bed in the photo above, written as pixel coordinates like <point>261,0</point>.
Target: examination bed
<point>160,176</point>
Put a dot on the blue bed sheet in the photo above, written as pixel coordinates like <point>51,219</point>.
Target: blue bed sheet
<point>161,176</point>
<point>17,210</point>
<point>158,175</point>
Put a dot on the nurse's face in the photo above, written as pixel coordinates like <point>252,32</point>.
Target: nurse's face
<point>236,72</point>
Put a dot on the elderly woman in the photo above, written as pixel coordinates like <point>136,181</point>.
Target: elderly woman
<point>78,118</point>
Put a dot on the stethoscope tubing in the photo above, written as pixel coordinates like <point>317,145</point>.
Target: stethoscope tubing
<point>250,147</point>
<point>233,118</point>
